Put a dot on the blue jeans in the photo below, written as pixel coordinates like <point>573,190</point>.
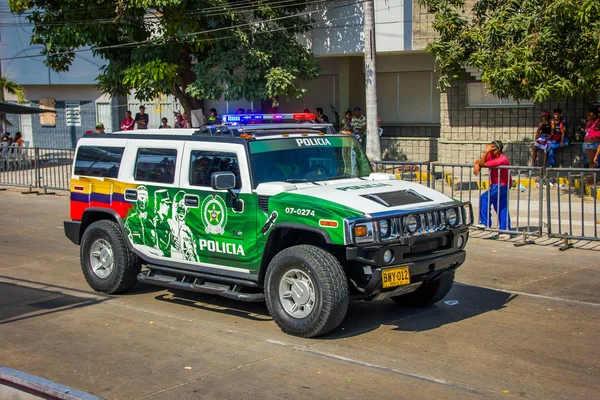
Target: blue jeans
<point>552,145</point>
<point>491,198</point>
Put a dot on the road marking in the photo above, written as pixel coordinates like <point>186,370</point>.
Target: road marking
<point>311,350</point>
<point>538,296</point>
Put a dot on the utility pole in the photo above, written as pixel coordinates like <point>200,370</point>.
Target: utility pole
<point>373,143</point>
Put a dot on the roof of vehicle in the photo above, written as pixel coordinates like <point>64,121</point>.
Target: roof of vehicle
<point>283,134</point>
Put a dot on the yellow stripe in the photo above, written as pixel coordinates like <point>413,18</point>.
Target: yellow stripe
<point>102,186</point>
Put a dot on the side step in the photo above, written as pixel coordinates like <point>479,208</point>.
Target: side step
<point>198,285</point>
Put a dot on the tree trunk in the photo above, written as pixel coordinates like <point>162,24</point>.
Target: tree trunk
<point>373,142</point>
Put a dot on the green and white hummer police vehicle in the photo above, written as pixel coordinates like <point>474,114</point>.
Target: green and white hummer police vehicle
<point>293,217</point>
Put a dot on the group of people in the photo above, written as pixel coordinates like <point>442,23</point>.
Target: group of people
<point>551,134</point>
<point>142,120</point>
<point>8,140</point>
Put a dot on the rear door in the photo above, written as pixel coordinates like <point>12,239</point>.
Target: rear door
<point>225,237</point>
<point>150,172</point>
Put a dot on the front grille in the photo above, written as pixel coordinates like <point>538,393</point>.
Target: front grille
<point>398,198</point>
<point>425,246</point>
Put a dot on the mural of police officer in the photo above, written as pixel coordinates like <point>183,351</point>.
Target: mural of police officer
<point>137,223</point>
<point>162,214</point>
<point>183,239</point>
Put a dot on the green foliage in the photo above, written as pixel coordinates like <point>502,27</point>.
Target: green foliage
<point>194,49</point>
<point>525,49</point>
<point>13,88</point>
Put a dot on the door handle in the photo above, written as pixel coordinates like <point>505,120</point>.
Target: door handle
<point>191,200</point>
<point>131,194</point>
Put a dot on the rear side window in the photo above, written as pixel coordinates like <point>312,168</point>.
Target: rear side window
<point>156,165</point>
<point>206,163</point>
<point>97,161</point>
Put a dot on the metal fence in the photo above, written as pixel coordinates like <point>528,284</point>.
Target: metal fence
<point>557,202</point>
<point>36,168</point>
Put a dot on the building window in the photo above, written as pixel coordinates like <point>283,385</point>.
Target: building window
<point>478,96</point>
<point>156,165</point>
<point>73,112</point>
<point>104,115</point>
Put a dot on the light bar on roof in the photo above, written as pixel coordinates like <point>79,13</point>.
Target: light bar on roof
<point>248,118</point>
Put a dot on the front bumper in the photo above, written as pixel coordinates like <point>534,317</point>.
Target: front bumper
<point>72,231</point>
<point>420,271</point>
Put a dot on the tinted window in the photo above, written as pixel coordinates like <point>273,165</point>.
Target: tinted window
<point>206,163</point>
<point>156,165</point>
<point>98,161</point>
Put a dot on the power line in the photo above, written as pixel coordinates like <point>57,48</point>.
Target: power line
<point>166,40</point>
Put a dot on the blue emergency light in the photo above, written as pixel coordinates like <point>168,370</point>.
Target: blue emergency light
<point>249,118</point>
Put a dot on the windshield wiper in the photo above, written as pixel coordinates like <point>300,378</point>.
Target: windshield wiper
<point>296,180</point>
<point>346,176</point>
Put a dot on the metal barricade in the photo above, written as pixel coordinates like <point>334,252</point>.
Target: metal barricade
<point>412,171</point>
<point>48,169</point>
<point>518,203</point>
<point>572,209</point>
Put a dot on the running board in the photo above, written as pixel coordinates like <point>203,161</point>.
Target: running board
<point>154,277</point>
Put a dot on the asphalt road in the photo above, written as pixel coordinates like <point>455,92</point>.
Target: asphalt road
<point>525,326</point>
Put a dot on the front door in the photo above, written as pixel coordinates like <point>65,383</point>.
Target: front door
<point>225,237</point>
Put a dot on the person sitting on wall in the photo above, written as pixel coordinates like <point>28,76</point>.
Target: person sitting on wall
<point>559,137</point>
<point>497,195</point>
<point>142,119</point>
<point>346,125</point>
<point>591,144</point>
<point>18,139</point>
<point>541,138</point>
<point>6,139</point>
<point>128,123</point>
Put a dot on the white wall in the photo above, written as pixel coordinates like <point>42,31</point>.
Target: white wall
<point>339,28</point>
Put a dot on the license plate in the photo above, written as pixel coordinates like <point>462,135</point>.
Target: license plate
<point>395,277</point>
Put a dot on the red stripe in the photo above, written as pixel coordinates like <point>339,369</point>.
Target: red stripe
<point>77,209</point>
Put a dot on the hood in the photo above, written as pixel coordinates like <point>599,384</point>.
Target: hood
<point>377,193</point>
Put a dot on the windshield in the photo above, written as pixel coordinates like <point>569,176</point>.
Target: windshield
<point>308,159</point>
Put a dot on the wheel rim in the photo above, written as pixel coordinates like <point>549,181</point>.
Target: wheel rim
<point>297,293</point>
<point>102,258</point>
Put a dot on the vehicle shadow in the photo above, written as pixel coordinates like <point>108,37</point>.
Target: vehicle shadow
<point>19,302</point>
<point>463,302</point>
<point>208,302</point>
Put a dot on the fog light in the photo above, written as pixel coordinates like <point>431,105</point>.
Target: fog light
<point>460,242</point>
<point>388,256</point>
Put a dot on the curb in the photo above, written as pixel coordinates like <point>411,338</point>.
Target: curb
<point>16,385</point>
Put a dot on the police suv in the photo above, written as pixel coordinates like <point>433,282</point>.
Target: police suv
<point>294,217</point>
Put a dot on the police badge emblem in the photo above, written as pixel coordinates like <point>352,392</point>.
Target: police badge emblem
<point>214,215</point>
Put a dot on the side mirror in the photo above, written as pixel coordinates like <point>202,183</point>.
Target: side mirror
<point>222,180</point>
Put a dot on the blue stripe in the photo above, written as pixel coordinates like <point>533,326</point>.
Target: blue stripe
<point>83,197</point>
<point>118,197</point>
<point>100,198</point>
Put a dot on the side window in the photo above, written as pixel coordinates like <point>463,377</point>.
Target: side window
<point>206,163</point>
<point>98,161</point>
<point>155,165</point>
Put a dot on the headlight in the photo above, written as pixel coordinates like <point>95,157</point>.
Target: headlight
<point>363,232</point>
<point>452,217</point>
<point>384,228</point>
<point>411,224</point>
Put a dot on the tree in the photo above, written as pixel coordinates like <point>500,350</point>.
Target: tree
<point>13,88</point>
<point>193,49</point>
<point>525,49</point>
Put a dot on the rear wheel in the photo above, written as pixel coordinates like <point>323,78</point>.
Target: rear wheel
<point>306,291</point>
<point>429,292</point>
<point>107,263</point>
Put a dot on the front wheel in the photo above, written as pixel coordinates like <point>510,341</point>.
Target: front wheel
<point>107,263</point>
<point>428,293</point>
<point>306,291</point>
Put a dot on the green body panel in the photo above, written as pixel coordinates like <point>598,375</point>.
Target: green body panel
<point>211,233</point>
<point>302,210</point>
<point>162,225</point>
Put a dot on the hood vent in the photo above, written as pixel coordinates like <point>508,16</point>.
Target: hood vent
<point>395,199</point>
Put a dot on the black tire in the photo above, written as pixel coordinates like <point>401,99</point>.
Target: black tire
<point>126,264</point>
<point>428,293</point>
<point>331,290</point>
